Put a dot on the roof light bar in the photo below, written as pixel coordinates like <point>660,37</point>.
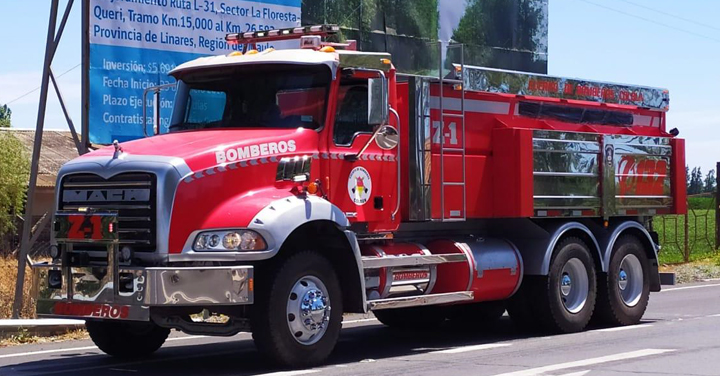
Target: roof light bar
<point>281,34</point>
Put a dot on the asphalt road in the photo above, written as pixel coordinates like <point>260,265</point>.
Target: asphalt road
<point>680,335</point>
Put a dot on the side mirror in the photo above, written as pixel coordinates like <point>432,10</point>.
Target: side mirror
<point>388,138</point>
<point>378,106</point>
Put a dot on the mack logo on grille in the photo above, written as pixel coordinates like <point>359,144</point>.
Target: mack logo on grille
<point>103,195</point>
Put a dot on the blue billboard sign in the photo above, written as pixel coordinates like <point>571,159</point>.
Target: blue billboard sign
<point>133,44</point>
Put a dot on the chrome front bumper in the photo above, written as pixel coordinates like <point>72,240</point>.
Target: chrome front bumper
<point>128,293</point>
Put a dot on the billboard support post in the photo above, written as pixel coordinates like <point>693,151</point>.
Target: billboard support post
<point>717,206</point>
<point>54,35</point>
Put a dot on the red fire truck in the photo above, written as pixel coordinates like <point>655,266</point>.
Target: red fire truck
<point>297,185</point>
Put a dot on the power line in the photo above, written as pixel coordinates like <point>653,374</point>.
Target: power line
<point>671,15</point>
<point>652,21</point>
<point>38,88</point>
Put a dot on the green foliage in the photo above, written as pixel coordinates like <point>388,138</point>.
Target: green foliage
<point>14,171</point>
<point>701,232</point>
<point>710,181</point>
<point>5,115</point>
<point>696,184</point>
<point>492,28</point>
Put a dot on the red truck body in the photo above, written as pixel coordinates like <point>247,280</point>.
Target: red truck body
<point>475,192</point>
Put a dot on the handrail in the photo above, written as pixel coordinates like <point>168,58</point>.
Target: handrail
<point>397,159</point>
<point>156,120</point>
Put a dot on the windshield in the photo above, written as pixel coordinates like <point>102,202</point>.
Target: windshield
<point>270,96</point>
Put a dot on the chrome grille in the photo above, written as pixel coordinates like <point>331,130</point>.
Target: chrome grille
<point>137,218</point>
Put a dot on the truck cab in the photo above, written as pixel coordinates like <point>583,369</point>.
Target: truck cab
<point>295,185</point>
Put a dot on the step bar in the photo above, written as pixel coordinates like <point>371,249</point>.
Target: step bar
<point>414,260</point>
<point>421,300</point>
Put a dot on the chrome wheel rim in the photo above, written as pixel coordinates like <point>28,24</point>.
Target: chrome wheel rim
<point>574,284</point>
<point>630,280</point>
<point>308,310</point>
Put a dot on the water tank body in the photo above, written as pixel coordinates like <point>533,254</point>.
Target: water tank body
<point>492,271</point>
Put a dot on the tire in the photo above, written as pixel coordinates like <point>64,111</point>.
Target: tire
<point>125,339</point>
<point>623,292</point>
<point>280,335</point>
<point>477,315</point>
<point>411,318</point>
<point>564,301</point>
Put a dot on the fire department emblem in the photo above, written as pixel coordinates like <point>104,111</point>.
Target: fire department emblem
<point>359,185</point>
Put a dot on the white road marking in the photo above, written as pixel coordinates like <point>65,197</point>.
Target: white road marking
<point>715,315</point>
<point>291,373</point>
<point>358,321</point>
<point>457,350</point>
<point>621,328</point>
<point>48,352</point>
<point>581,373</point>
<point>85,348</point>
<point>133,363</point>
<point>690,287</point>
<point>587,362</point>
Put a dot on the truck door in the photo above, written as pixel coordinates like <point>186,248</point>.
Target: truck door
<point>365,188</point>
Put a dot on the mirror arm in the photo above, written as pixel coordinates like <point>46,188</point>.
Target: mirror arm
<point>354,157</point>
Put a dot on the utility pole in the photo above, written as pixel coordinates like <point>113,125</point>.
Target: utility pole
<point>717,206</point>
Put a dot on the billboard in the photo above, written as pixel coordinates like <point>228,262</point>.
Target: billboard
<point>130,45</point>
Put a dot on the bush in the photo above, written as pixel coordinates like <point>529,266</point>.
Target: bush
<point>14,172</point>
<point>8,277</point>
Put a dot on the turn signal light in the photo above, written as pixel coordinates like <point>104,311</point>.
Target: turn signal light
<point>312,188</point>
<point>327,49</point>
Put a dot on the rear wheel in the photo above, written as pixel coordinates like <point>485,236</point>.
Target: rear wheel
<point>623,292</point>
<point>564,300</point>
<point>298,313</point>
<point>126,339</point>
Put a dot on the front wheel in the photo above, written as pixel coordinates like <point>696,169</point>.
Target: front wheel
<point>126,339</point>
<point>298,313</point>
<point>623,292</point>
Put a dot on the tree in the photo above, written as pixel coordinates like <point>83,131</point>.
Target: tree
<point>14,172</point>
<point>502,34</point>
<point>5,115</point>
<point>696,181</point>
<point>710,182</point>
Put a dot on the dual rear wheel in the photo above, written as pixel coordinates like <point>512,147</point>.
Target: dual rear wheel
<point>573,293</point>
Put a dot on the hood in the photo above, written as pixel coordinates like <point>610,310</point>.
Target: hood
<point>207,148</point>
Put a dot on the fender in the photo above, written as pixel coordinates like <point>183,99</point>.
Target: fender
<point>608,243</point>
<point>280,218</point>
<point>537,253</point>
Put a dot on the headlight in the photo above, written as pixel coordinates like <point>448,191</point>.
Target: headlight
<point>229,240</point>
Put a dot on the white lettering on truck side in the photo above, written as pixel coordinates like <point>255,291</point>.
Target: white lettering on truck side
<point>252,151</point>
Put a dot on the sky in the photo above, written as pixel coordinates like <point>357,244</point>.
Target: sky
<point>663,43</point>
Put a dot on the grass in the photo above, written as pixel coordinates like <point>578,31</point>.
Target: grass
<point>701,232</point>
<point>8,277</point>
<point>23,337</point>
